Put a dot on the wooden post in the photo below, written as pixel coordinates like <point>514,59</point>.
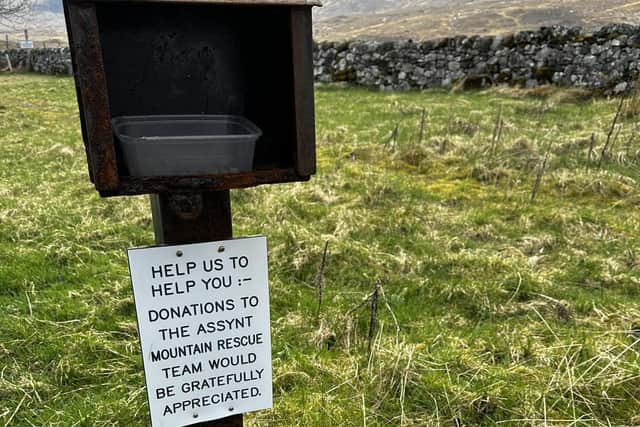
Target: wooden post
<point>6,40</point>
<point>9,67</point>
<point>182,218</point>
<point>26,34</point>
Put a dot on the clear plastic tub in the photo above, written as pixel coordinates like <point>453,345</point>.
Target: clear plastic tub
<point>186,145</point>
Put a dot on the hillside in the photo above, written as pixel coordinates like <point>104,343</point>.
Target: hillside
<point>44,23</point>
<point>54,6</point>
<point>417,19</point>
<point>427,19</point>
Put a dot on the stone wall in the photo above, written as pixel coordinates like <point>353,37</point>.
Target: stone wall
<point>44,61</point>
<point>607,59</point>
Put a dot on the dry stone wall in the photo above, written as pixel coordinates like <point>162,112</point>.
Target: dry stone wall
<point>607,59</point>
<point>44,61</point>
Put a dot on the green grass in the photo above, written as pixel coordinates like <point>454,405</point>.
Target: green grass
<point>495,309</point>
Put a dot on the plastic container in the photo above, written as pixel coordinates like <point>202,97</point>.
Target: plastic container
<point>186,145</point>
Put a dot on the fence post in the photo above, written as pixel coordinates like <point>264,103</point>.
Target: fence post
<point>9,67</point>
<point>196,217</point>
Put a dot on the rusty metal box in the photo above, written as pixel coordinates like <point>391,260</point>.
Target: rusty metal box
<point>250,58</point>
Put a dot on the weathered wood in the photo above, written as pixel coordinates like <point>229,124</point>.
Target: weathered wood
<point>9,67</point>
<point>302,50</point>
<point>130,186</point>
<point>84,41</point>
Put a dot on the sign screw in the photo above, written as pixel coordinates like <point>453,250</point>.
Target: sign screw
<point>179,254</point>
<point>231,409</point>
<point>195,415</point>
<point>221,249</point>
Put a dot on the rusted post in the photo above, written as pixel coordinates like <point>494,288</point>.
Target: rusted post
<point>195,217</point>
<point>182,218</point>
<point>234,421</point>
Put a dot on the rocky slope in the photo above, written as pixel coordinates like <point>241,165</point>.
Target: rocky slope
<point>428,19</point>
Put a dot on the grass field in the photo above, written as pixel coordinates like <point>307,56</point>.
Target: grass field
<point>500,301</point>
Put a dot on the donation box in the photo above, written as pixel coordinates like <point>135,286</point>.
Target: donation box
<point>203,95</point>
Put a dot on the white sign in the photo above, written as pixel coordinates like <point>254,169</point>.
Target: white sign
<point>203,319</point>
<point>26,44</point>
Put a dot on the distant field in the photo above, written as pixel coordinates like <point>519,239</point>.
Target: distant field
<point>501,301</point>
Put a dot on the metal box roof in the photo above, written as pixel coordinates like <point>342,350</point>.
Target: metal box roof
<point>235,2</point>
